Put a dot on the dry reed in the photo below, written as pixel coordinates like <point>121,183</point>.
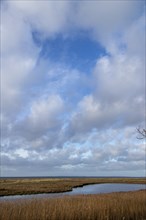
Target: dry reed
<point>113,206</point>
<point>19,186</point>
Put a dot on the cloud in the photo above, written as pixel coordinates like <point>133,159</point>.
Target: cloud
<point>99,159</point>
<point>15,41</point>
<point>45,115</point>
<point>49,18</point>
<point>118,99</point>
<point>18,57</point>
<point>102,18</point>
<point>57,119</point>
<point>124,74</point>
<point>134,41</point>
<point>106,18</point>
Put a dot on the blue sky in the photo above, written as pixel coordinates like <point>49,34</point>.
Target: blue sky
<point>79,51</point>
<point>72,88</point>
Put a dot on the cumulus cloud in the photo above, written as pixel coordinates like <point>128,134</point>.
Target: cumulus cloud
<point>57,120</point>
<point>18,57</point>
<point>49,18</point>
<point>105,19</point>
<point>111,155</point>
<point>119,84</point>
<point>118,99</point>
<point>45,115</point>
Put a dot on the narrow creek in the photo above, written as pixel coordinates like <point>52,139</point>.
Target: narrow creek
<point>88,189</point>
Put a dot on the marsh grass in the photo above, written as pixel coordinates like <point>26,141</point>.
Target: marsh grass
<point>113,206</point>
<point>19,186</point>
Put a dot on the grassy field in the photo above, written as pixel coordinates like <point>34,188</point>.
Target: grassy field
<point>113,206</point>
<point>19,186</point>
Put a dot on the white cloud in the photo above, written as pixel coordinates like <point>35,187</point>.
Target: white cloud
<point>44,111</point>
<point>15,41</point>
<point>18,57</point>
<point>15,71</point>
<point>100,17</point>
<point>47,17</point>
<point>120,77</point>
<point>104,18</point>
<point>134,38</point>
<point>119,84</point>
<point>110,156</point>
<point>22,153</point>
<point>45,115</point>
<point>49,121</point>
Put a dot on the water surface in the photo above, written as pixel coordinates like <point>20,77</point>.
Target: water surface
<point>88,189</point>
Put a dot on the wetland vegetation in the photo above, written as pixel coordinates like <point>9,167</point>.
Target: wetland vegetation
<point>112,206</point>
<point>23,186</point>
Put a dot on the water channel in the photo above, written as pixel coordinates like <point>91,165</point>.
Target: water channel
<point>88,189</point>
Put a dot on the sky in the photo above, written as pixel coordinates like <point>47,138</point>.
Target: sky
<point>72,88</point>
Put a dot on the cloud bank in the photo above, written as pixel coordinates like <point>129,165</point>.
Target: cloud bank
<point>59,117</point>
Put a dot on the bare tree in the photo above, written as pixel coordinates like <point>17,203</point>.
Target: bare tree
<point>142,133</point>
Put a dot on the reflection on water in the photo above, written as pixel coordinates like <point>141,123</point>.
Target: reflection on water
<point>107,188</point>
<point>89,189</point>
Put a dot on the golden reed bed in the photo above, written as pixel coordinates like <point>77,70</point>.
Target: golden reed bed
<point>112,206</point>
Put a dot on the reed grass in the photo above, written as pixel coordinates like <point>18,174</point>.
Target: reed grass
<point>112,206</point>
<point>19,186</point>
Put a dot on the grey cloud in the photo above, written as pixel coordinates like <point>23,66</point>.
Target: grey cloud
<point>48,128</point>
<point>124,74</point>
<point>48,17</point>
<point>118,96</point>
<point>103,158</point>
<point>105,18</point>
<point>44,116</point>
<point>100,17</point>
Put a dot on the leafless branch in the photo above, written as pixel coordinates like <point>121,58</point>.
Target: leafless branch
<point>142,133</point>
